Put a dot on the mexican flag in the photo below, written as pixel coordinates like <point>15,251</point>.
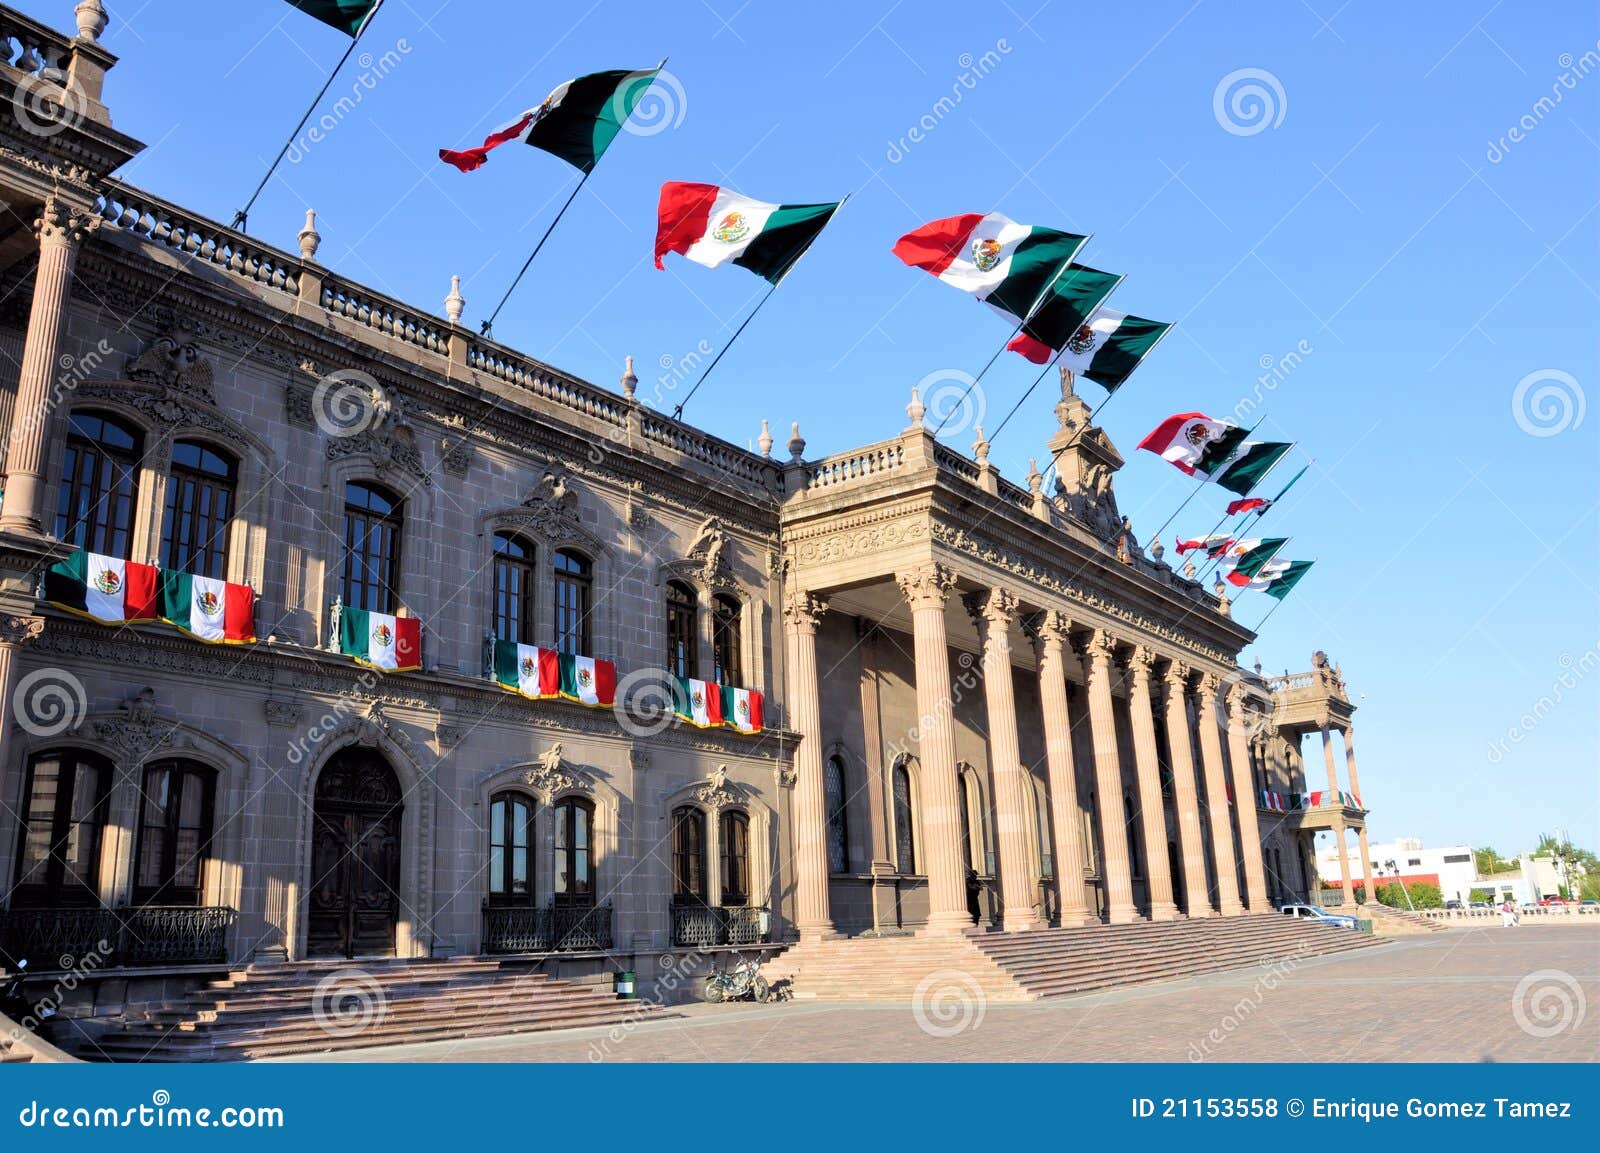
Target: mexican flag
<point>1194,442</point>
<point>1286,580</point>
<point>576,122</point>
<point>527,669</point>
<point>991,257</point>
<point>1273,801</point>
<point>1106,348</point>
<point>742,709</point>
<point>348,16</point>
<point>1252,462</point>
<point>588,681</point>
<point>698,702</point>
<point>104,588</point>
<point>1249,504</point>
<point>1263,579</point>
<point>386,642</point>
<point>1212,543</point>
<point>209,609</point>
<point>1063,317</point>
<point>712,226</point>
<point>1254,555</point>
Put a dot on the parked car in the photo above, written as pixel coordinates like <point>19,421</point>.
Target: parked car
<point>1481,905</point>
<point>1589,906</point>
<point>1452,904</point>
<point>1320,915</point>
<point>1552,903</point>
<point>1528,905</point>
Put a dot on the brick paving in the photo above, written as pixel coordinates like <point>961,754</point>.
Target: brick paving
<point>1441,997</point>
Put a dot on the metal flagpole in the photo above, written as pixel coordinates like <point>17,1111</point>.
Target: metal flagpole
<point>487,327</point>
<point>1246,521</point>
<point>1277,606</point>
<point>241,219</point>
<point>1157,534</point>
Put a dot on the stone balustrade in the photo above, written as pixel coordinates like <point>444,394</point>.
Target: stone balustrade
<point>859,464</point>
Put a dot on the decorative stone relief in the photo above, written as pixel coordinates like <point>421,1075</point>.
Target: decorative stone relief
<point>549,774</point>
<point>707,551</point>
<point>20,630</point>
<point>281,713</point>
<point>177,368</point>
<point>926,587</point>
<point>715,792</point>
<point>137,729</point>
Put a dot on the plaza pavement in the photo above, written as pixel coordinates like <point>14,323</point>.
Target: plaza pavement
<point>1530,993</point>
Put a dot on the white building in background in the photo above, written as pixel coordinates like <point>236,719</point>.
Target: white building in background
<point>1454,869</point>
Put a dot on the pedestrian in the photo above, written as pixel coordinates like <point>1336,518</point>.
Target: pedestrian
<point>1508,914</point>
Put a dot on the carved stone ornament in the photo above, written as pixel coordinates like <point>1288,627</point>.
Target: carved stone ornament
<point>20,630</point>
<point>60,222</point>
<point>803,612</point>
<point>707,551</point>
<point>387,439</point>
<point>455,455</point>
<point>175,367</point>
<point>550,510</point>
<point>785,775</point>
<point>926,587</point>
<point>378,720</point>
<point>549,773</point>
<point>715,793</point>
<point>448,736</point>
<point>282,713</point>
<point>137,729</point>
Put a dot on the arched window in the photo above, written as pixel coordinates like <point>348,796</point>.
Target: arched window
<point>175,825</point>
<point>904,843</point>
<point>372,520</point>
<point>58,852</point>
<point>99,484</point>
<point>574,852</point>
<point>689,855</point>
<point>683,633</point>
<point>513,588</point>
<point>726,640</point>
<point>838,820</point>
<point>734,832</point>
<point>1135,847</point>
<point>964,802</point>
<point>574,595</point>
<point>199,513</point>
<point>1041,825</point>
<point>510,849</point>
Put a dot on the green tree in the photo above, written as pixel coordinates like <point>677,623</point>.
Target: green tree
<point>1481,895</point>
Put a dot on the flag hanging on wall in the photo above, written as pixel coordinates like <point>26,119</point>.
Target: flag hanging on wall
<point>697,702</point>
<point>209,609</point>
<point>390,643</point>
<point>527,669</point>
<point>588,681</point>
<point>577,122</point>
<point>743,709</point>
<point>713,226</point>
<point>1195,443</point>
<point>104,588</point>
<point>348,16</point>
<point>1106,348</point>
<point>991,257</point>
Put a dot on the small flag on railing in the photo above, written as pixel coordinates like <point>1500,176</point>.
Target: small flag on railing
<point>104,588</point>
<point>1273,801</point>
<point>588,681</point>
<point>380,640</point>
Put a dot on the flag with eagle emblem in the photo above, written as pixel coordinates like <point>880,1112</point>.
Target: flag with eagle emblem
<point>742,709</point>
<point>992,258</point>
<point>527,670</point>
<point>380,640</point>
<point>209,609</point>
<point>588,681</point>
<point>1195,443</point>
<point>104,588</point>
<point>1106,348</point>
<point>714,226</point>
<point>697,702</point>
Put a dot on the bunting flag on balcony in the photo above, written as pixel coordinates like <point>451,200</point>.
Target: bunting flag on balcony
<point>209,609</point>
<point>577,122</point>
<point>381,641</point>
<point>527,669</point>
<point>712,226</point>
<point>1273,801</point>
<point>1194,443</point>
<point>697,702</point>
<point>588,681</point>
<point>348,16</point>
<point>743,709</point>
<point>1252,462</point>
<point>104,588</point>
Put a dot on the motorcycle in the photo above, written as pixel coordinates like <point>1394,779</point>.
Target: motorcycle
<point>15,1004</point>
<point>743,981</point>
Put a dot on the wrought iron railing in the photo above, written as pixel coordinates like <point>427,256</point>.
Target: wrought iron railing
<point>52,938</point>
<point>702,926</point>
<point>553,929</point>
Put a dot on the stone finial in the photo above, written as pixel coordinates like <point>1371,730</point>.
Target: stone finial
<point>1157,550</point>
<point>797,443</point>
<point>455,302</point>
<point>916,410</point>
<point>1035,477</point>
<point>764,441</point>
<point>980,448</point>
<point>1189,569</point>
<point>630,379</point>
<point>308,236</point>
<point>1258,666</point>
<point>92,20</point>
<point>1221,589</point>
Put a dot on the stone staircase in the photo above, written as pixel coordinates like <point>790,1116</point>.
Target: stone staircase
<point>315,1007</point>
<point>1390,921</point>
<point>1048,962</point>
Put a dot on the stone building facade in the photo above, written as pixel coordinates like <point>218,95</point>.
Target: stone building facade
<point>983,701</point>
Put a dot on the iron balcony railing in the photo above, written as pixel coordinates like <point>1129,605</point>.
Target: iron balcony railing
<point>702,926</point>
<point>553,929</point>
<point>65,938</point>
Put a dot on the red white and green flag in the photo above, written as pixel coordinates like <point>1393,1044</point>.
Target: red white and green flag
<point>1064,314</point>
<point>697,702</point>
<point>381,640</point>
<point>104,588</point>
<point>742,709</point>
<point>1248,504</point>
<point>209,609</point>
<point>1282,582</point>
<point>348,16</point>
<point>1195,443</point>
<point>1213,543</point>
<point>1254,555</point>
<point>992,258</point>
<point>1263,579</point>
<point>1106,348</point>
<point>527,669</point>
<point>588,680</point>
<point>714,226</point>
<point>577,122</point>
<point>1250,465</point>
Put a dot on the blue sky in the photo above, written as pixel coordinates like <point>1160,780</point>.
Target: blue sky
<point>1373,214</point>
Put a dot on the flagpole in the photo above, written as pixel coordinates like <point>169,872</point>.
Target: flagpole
<point>487,327</point>
<point>1259,513</point>
<point>241,219</point>
<point>1276,607</point>
<point>1198,488</point>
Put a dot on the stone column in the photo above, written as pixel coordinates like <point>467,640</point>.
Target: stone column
<point>1327,757</point>
<point>1185,794</point>
<point>1350,761</point>
<point>1097,671</point>
<point>993,612</point>
<point>802,613</point>
<point>1066,818</point>
<point>61,227</point>
<point>1228,903</point>
<point>17,629</point>
<point>1152,811</point>
<point>925,590</point>
<point>1366,865</point>
<point>1244,794</point>
<point>1344,862</point>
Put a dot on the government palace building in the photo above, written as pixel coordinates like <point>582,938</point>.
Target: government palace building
<point>977,705</point>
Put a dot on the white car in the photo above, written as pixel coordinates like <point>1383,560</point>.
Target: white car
<point>1320,915</point>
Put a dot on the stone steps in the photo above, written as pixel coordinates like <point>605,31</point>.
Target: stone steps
<point>280,1011</point>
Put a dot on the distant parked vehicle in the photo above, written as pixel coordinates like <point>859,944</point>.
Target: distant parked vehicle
<point>1552,903</point>
<point>1528,905</point>
<point>1589,906</point>
<point>1320,915</point>
<point>1452,904</point>
<point>1481,905</point>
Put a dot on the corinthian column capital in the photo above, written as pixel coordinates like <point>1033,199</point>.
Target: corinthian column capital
<point>1049,627</point>
<point>64,223</point>
<point>1099,647</point>
<point>996,607</point>
<point>1209,684</point>
<point>802,611</point>
<point>926,587</point>
<point>1141,663</point>
<point>1177,676</point>
<point>1237,699</point>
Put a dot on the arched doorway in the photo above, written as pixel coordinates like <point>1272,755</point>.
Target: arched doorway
<point>355,857</point>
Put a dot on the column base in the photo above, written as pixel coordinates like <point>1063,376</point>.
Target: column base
<point>1077,918</point>
<point>1165,911</point>
<point>946,924</point>
<point>1196,912</point>
<point>812,933</point>
<point>1124,915</point>
<point>1232,909</point>
<point>1022,922</point>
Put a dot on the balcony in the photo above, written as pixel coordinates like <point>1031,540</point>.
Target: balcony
<point>706,926</point>
<point>52,938</point>
<point>553,929</point>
